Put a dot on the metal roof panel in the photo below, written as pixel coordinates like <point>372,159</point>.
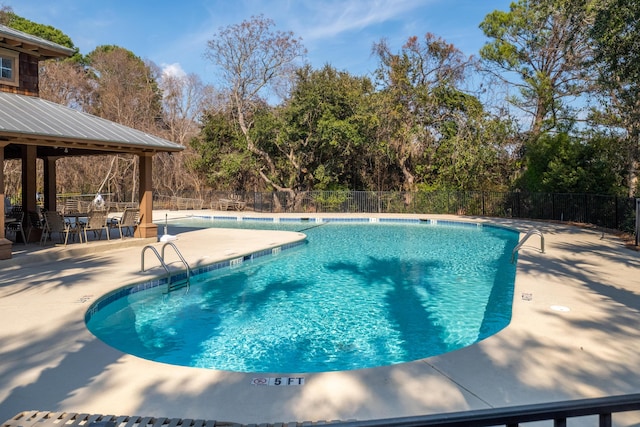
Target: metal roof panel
<point>35,117</point>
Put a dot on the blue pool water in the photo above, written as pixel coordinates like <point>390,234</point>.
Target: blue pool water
<point>355,296</point>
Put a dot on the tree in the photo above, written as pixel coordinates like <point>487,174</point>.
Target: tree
<point>472,151</point>
<point>616,32</point>
<point>126,89</point>
<point>251,59</point>
<point>184,99</point>
<point>325,127</point>
<point>410,104</point>
<point>65,83</point>
<point>222,160</point>
<point>540,47</point>
<point>562,163</point>
<point>5,15</point>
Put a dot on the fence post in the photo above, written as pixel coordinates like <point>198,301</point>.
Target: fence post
<point>617,221</point>
<point>637,219</point>
<point>584,210</point>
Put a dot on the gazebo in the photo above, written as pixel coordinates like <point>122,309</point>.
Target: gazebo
<point>32,128</point>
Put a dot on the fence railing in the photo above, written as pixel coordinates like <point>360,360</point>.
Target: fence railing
<point>602,409</point>
<point>610,212</point>
<point>585,412</point>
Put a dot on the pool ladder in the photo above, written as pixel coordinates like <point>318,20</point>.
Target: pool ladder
<point>160,256</point>
<point>524,239</point>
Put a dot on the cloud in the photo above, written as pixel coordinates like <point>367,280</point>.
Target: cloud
<point>173,70</point>
<point>344,16</point>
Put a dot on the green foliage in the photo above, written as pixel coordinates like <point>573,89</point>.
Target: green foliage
<point>417,105</point>
<point>616,35</point>
<point>325,127</point>
<point>46,32</point>
<point>330,201</point>
<point>616,30</point>
<point>564,164</point>
<point>221,161</point>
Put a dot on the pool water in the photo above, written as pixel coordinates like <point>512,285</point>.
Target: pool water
<point>356,296</point>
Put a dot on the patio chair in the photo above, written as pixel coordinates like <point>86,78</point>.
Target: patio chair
<point>71,206</point>
<point>96,222</point>
<point>224,204</point>
<point>7,205</point>
<point>34,222</point>
<point>127,222</point>
<point>54,223</point>
<point>237,202</point>
<point>16,225</point>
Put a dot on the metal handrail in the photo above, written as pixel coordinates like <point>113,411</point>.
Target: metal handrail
<point>164,264</point>
<point>524,239</point>
<point>161,259</point>
<point>175,248</point>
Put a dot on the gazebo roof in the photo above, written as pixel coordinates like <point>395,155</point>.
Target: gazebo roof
<point>33,127</point>
<point>33,45</point>
<point>28,120</point>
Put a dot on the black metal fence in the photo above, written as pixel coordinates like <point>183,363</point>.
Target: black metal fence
<point>617,213</point>
<point>586,412</point>
<point>611,212</point>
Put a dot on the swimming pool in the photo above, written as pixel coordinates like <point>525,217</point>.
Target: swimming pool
<point>355,296</point>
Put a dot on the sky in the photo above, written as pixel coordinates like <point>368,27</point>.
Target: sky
<point>174,34</point>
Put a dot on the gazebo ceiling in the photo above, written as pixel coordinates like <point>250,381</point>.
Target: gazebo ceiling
<point>14,151</point>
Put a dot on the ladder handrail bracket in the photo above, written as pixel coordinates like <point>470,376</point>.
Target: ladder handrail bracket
<point>524,239</point>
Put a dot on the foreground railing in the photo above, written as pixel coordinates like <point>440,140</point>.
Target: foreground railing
<point>600,410</point>
<point>559,412</point>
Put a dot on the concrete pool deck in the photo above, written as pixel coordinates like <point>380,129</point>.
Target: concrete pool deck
<point>49,361</point>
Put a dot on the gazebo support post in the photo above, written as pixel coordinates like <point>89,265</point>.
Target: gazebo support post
<point>29,156</point>
<point>50,202</point>
<point>146,228</point>
<point>5,244</point>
